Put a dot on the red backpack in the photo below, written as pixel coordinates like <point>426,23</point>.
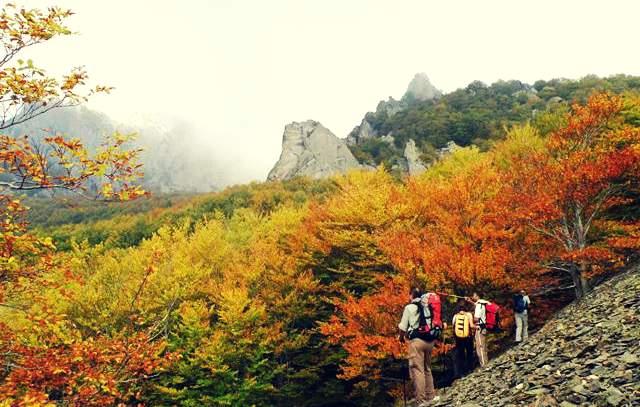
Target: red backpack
<point>430,314</point>
<point>492,317</point>
<point>435,307</point>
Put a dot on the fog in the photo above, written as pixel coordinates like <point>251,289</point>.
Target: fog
<point>235,72</point>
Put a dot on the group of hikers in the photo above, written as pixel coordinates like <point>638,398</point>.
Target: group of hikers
<point>421,325</point>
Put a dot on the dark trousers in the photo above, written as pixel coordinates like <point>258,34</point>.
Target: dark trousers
<point>464,356</point>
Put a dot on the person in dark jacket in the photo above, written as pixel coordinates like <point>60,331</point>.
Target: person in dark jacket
<point>463,332</point>
<point>521,304</point>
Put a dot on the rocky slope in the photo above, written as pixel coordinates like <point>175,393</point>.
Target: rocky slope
<point>587,355</point>
<point>310,149</point>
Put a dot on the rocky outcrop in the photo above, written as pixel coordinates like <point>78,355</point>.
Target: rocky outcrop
<point>361,133</point>
<point>421,89</point>
<point>310,149</point>
<point>450,148</point>
<point>588,355</point>
<point>414,164</point>
<point>390,106</point>
<point>388,139</point>
<point>365,131</point>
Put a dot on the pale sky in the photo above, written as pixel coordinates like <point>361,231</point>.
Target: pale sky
<point>238,71</point>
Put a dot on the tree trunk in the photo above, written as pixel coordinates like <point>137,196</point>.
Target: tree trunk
<point>577,278</point>
<point>584,283</point>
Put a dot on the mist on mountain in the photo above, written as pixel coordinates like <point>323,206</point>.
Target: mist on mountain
<point>176,156</point>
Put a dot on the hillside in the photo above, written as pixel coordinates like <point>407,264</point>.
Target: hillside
<point>587,355</point>
<point>289,293</point>
<point>127,224</point>
<point>472,115</point>
<point>176,158</point>
<point>409,134</point>
<point>264,292</point>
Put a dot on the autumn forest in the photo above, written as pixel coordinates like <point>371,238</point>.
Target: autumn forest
<point>288,292</point>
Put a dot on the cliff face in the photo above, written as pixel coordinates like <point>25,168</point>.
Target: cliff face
<point>588,355</point>
<point>310,149</point>
<point>415,166</point>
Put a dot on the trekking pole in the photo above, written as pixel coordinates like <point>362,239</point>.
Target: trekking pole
<point>451,295</point>
<point>444,353</point>
<point>404,382</point>
<point>404,385</point>
<point>404,389</point>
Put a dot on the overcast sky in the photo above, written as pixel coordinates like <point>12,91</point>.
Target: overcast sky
<point>238,71</point>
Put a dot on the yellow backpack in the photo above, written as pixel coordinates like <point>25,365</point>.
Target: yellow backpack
<point>461,325</point>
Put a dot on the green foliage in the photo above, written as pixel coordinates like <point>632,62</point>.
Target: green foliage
<point>226,293</point>
<point>480,113</point>
<point>375,151</point>
<point>125,225</point>
<point>551,119</point>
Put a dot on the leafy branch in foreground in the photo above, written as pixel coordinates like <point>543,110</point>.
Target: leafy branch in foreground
<point>45,357</point>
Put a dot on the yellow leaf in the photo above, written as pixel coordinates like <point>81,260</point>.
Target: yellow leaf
<point>107,190</point>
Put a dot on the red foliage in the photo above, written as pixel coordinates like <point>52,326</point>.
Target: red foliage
<point>104,371</point>
<point>498,227</point>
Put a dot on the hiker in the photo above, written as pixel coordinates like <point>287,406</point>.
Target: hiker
<point>479,320</point>
<point>413,317</point>
<point>463,327</point>
<point>521,304</point>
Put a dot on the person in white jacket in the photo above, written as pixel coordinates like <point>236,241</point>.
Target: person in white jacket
<point>419,350</point>
<point>521,303</point>
<point>479,319</point>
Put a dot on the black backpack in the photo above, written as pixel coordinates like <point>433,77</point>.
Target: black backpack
<point>519,305</point>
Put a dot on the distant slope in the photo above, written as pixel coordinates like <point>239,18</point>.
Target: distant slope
<point>174,158</point>
<point>472,115</point>
<point>407,135</point>
<point>587,355</point>
<point>127,224</point>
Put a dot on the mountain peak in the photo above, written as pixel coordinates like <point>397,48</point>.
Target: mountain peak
<point>420,88</point>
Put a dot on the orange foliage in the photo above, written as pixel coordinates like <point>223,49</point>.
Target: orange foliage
<point>562,195</point>
<point>98,372</point>
<point>494,224</point>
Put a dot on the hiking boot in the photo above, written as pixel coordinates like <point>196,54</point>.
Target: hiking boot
<point>430,402</point>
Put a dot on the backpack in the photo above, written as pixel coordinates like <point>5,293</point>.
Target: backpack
<point>492,317</point>
<point>432,302</point>
<point>430,319</point>
<point>519,305</point>
<point>461,325</point>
